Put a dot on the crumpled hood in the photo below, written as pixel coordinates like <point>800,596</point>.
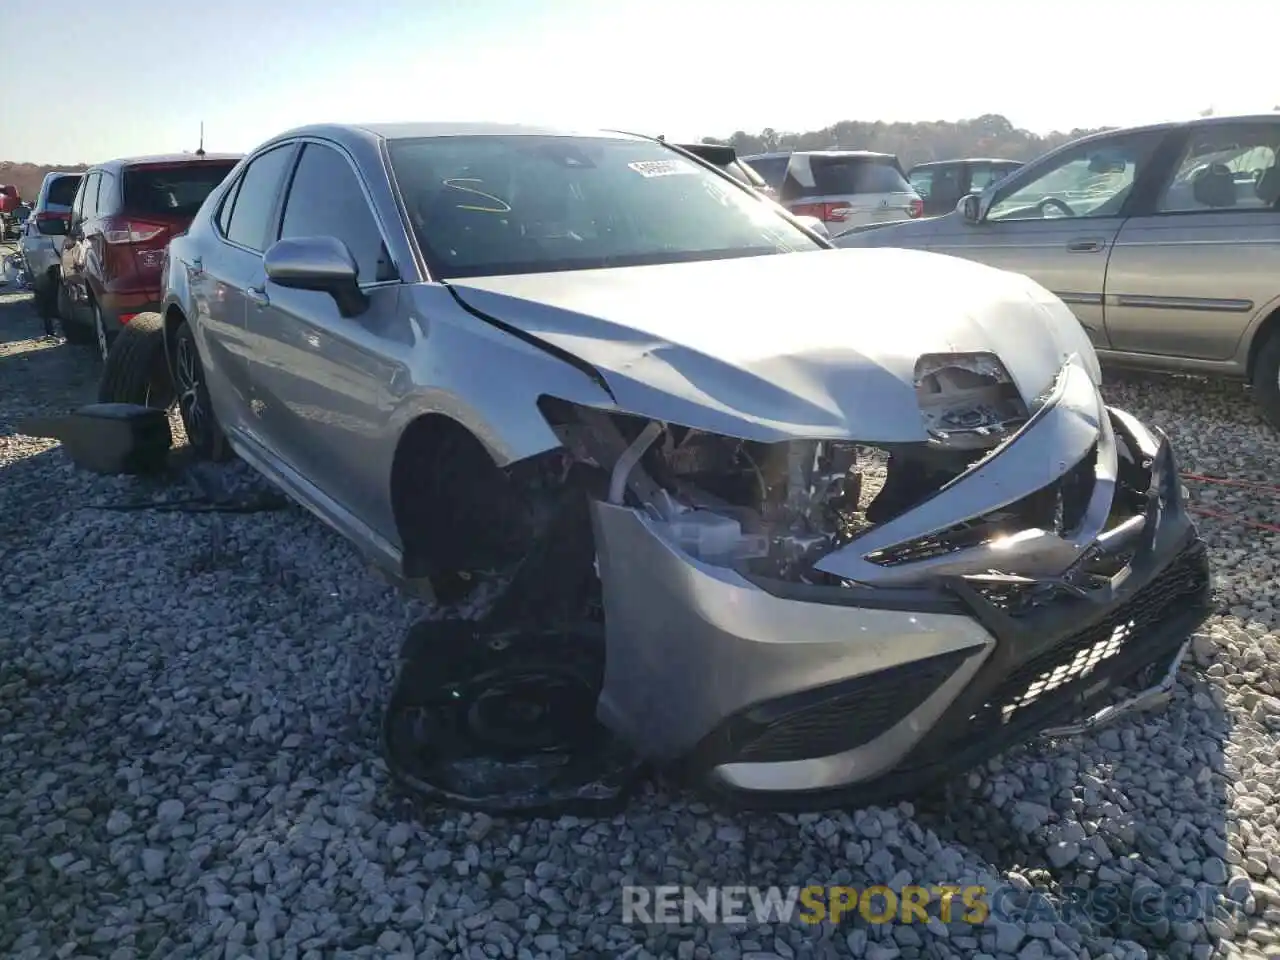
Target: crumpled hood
<point>820,345</point>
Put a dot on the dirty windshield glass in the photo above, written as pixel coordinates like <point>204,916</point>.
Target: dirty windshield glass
<point>485,206</point>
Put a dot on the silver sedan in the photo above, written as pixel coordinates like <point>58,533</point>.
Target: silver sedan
<point>788,550</point>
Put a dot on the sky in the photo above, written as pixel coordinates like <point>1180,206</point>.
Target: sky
<point>128,77</point>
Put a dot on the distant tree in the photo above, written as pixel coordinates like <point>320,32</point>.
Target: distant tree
<point>990,135</point>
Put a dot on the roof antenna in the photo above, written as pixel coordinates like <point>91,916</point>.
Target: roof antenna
<point>200,149</point>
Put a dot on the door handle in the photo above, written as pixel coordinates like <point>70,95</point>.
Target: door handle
<point>1085,246</point>
<point>258,297</point>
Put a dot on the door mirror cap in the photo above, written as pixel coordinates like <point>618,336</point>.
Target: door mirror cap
<point>322,264</point>
<point>971,208</point>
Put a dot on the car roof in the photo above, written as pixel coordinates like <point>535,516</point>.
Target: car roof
<point>416,131</point>
<point>864,154</point>
<point>122,162</point>
<point>942,163</point>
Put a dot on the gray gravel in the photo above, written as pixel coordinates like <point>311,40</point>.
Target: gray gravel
<point>188,736</point>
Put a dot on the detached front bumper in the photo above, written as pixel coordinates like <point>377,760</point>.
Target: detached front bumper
<point>782,694</point>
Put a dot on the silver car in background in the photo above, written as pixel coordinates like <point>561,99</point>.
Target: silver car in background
<point>841,188</point>
<point>42,236</point>
<point>1164,240</point>
<point>823,520</point>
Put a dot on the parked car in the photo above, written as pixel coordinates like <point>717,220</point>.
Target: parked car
<point>726,158</point>
<point>842,188</point>
<point>41,240</point>
<point>122,218</point>
<point>11,228</point>
<point>10,200</point>
<point>941,183</point>
<point>464,344</point>
<point>1165,241</point>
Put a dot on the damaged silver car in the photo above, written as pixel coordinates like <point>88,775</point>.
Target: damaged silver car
<point>693,489</point>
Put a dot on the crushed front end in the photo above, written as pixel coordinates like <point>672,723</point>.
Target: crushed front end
<point>806,622</point>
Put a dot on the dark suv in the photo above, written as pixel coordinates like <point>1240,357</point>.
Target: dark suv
<point>941,183</point>
<point>123,217</point>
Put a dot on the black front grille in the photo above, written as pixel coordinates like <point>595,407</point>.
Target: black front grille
<point>828,721</point>
<point>1130,639</point>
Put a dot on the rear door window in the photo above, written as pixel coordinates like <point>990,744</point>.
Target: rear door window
<point>984,174</point>
<point>922,181</point>
<point>90,199</point>
<point>255,202</point>
<point>175,191</point>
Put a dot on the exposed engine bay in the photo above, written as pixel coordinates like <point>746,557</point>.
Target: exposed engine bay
<point>761,511</point>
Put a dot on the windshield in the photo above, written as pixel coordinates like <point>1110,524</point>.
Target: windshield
<point>495,205</point>
<point>176,190</point>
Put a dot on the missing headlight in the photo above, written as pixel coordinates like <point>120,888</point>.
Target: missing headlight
<point>967,400</point>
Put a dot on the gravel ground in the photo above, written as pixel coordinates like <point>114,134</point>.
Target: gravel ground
<point>188,735</point>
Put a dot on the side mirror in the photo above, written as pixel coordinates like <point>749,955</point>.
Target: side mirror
<point>57,227</point>
<point>970,208</point>
<point>323,264</point>
<point>816,225</point>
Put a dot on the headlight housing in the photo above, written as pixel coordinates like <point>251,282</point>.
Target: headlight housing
<point>967,400</point>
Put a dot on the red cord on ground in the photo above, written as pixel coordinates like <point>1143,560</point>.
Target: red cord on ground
<point>1244,484</point>
<point>1220,515</point>
<point>1224,482</point>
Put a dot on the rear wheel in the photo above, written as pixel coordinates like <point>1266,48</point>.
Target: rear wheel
<point>1266,379</point>
<point>46,301</point>
<point>71,328</point>
<point>205,436</point>
<point>135,370</point>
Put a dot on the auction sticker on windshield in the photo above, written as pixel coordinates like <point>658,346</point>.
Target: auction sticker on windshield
<point>662,168</point>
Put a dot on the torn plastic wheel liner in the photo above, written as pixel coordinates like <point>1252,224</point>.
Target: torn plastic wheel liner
<point>503,720</point>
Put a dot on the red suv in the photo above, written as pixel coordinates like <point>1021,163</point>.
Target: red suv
<point>123,217</point>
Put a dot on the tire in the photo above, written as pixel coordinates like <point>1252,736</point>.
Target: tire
<point>204,435</point>
<point>1266,379</point>
<point>102,339</point>
<point>74,332</point>
<point>136,370</point>
<point>46,301</point>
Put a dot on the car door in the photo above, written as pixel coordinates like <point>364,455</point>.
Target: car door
<point>321,381</point>
<point>74,247</point>
<point>1192,271</point>
<point>243,225</point>
<point>1056,220</point>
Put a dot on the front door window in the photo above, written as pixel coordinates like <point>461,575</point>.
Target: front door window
<point>1093,180</point>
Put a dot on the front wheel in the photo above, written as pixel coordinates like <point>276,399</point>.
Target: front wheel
<point>205,436</point>
<point>1266,379</point>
